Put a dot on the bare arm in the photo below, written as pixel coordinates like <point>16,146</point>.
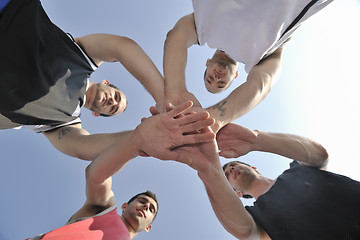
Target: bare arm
<point>77,142</point>
<point>110,48</point>
<point>165,131</point>
<point>178,40</point>
<point>235,140</point>
<point>226,204</point>
<point>245,97</point>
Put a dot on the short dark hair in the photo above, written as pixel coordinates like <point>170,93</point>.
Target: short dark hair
<point>247,196</point>
<point>150,194</point>
<point>106,115</point>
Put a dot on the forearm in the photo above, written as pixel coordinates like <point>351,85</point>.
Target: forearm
<point>240,101</point>
<point>113,159</point>
<point>174,62</point>
<point>304,150</point>
<point>178,40</point>
<point>79,143</point>
<point>109,48</point>
<point>227,205</point>
<point>138,63</point>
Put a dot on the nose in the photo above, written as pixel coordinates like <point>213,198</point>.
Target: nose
<point>146,206</point>
<point>112,101</point>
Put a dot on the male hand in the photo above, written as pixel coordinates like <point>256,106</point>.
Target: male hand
<point>201,156</point>
<point>160,134</point>
<point>235,140</point>
<point>180,97</point>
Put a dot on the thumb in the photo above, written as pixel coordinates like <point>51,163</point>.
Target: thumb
<point>228,154</point>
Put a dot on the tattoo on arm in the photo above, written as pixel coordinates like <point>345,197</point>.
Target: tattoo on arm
<point>221,108</point>
<point>64,131</point>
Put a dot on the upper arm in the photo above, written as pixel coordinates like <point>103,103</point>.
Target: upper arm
<point>98,193</point>
<point>104,47</point>
<point>99,197</point>
<point>67,139</point>
<point>268,69</point>
<point>184,31</point>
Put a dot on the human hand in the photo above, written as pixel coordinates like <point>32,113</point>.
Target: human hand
<point>180,97</point>
<point>160,134</point>
<point>235,140</point>
<point>201,156</point>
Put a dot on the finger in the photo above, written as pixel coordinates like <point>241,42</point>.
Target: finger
<point>154,111</point>
<point>169,107</point>
<point>192,118</point>
<point>143,119</point>
<point>182,107</point>
<point>196,138</point>
<point>198,125</point>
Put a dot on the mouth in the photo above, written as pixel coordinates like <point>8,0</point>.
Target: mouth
<point>218,74</point>
<point>142,213</point>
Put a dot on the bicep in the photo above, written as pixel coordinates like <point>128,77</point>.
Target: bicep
<point>98,193</point>
<point>268,68</point>
<point>67,139</point>
<point>103,47</point>
<point>185,31</point>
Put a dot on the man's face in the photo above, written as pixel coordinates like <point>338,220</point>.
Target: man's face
<point>218,77</point>
<point>108,100</point>
<point>140,213</point>
<point>240,176</point>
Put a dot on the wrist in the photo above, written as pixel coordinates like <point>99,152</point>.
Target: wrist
<point>174,86</point>
<point>210,174</point>
<point>259,139</point>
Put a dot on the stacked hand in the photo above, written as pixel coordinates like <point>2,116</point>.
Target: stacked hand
<point>235,140</point>
<point>160,134</point>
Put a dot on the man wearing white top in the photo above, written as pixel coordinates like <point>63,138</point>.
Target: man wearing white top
<point>249,32</point>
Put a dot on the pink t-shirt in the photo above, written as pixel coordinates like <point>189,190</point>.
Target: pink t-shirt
<point>105,227</point>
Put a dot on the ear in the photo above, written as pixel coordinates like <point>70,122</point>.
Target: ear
<point>236,74</point>
<point>95,114</point>
<point>147,229</point>
<point>124,206</point>
<point>239,193</point>
<point>105,82</point>
<point>207,61</point>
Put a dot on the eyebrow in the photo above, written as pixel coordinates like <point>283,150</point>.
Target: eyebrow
<point>117,94</point>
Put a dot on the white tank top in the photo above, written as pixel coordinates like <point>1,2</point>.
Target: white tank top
<point>249,30</point>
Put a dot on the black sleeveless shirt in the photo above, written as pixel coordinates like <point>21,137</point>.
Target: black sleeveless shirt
<point>309,204</point>
<point>43,74</point>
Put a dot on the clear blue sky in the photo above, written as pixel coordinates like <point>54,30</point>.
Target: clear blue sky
<point>317,96</point>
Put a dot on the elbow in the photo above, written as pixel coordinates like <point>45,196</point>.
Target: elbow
<point>262,82</point>
<point>91,176</point>
<point>323,156</point>
<point>171,34</point>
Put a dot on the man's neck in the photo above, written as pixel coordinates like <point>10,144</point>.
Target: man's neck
<point>131,230</point>
<point>261,186</point>
<point>90,93</point>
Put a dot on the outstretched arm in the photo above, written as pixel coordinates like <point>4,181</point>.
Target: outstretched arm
<point>110,48</point>
<point>245,97</point>
<point>165,131</point>
<point>235,140</point>
<point>157,135</point>
<point>226,204</point>
<point>178,40</point>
